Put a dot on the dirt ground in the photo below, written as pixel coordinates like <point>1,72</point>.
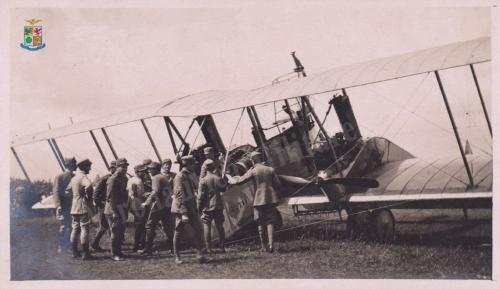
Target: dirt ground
<point>432,244</point>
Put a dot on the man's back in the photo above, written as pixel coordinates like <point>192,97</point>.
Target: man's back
<point>267,185</point>
<point>61,182</point>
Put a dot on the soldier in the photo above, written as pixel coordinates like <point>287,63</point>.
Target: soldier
<point>156,202</point>
<point>210,204</point>
<point>266,197</point>
<point>184,208</point>
<point>82,189</point>
<point>116,207</point>
<point>147,177</point>
<point>167,222</point>
<point>136,194</point>
<point>99,198</point>
<point>209,153</point>
<point>62,201</point>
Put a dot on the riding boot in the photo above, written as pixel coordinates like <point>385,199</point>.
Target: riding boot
<point>270,236</point>
<point>96,241</point>
<point>74,249</point>
<point>86,252</point>
<point>262,239</point>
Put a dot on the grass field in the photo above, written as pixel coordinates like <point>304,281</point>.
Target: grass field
<point>429,244</point>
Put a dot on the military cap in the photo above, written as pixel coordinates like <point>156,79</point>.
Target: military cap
<point>187,159</point>
<point>140,168</point>
<point>146,162</point>
<point>69,161</point>
<point>112,164</point>
<point>210,164</point>
<point>208,150</point>
<point>121,162</point>
<point>83,163</point>
<point>166,161</point>
<point>154,165</point>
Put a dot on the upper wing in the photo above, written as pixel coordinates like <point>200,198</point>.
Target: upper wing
<point>398,66</point>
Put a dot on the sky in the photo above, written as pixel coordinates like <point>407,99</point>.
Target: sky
<point>101,61</point>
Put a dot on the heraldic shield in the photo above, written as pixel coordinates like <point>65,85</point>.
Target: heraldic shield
<point>33,36</point>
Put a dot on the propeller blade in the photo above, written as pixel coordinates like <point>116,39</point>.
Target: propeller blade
<point>294,180</point>
<point>353,181</point>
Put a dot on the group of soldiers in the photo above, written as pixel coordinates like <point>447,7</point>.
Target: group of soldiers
<point>157,196</point>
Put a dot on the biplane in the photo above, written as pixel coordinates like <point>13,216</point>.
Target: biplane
<point>322,171</point>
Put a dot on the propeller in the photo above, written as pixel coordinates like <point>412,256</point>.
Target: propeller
<point>350,181</point>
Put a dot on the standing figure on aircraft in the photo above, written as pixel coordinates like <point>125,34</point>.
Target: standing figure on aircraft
<point>266,198</point>
<point>210,204</point>
<point>62,202</point>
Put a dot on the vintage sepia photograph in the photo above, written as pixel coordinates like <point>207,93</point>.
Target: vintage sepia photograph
<point>251,140</point>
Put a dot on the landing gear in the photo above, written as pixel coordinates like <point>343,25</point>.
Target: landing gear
<point>382,225</point>
<point>378,225</point>
<point>357,224</point>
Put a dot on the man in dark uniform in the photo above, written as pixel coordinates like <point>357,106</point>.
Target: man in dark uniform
<point>209,153</point>
<point>116,208</point>
<point>184,208</point>
<point>147,177</point>
<point>62,202</point>
<point>210,204</point>
<point>167,222</point>
<point>81,208</point>
<point>99,198</point>
<point>266,197</point>
<point>156,202</point>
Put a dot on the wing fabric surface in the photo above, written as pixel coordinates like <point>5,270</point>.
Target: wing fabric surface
<point>414,179</point>
<point>211,102</point>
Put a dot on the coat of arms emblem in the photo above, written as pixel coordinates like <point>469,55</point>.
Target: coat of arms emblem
<point>33,36</point>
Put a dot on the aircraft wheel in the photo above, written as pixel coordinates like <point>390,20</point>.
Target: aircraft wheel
<point>382,225</point>
<point>357,224</point>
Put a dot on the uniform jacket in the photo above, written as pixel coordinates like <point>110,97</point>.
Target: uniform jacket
<point>136,193</point>
<point>99,195</point>
<point>267,184</point>
<point>61,197</point>
<point>82,190</point>
<point>170,177</point>
<point>116,194</point>
<point>209,192</point>
<point>160,193</point>
<point>203,171</point>
<point>183,197</point>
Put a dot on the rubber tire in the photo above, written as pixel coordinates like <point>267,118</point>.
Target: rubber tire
<point>357,224</point>
<point>382,226</point>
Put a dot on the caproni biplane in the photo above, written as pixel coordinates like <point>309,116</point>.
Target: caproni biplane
<point>322,171</point>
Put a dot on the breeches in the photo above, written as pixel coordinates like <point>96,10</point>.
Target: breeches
<point>80,225</point>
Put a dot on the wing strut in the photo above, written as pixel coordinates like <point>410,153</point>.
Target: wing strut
<point>20,164</point>
<point>109,143</point>
<point>55,154</point>
<point>452,120</point>
<point>170,135</point>
<point>151,140</point>
<point>99,149</point>
<point>481,98</point>
<point>322,128</point>
<point>58,151</point>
